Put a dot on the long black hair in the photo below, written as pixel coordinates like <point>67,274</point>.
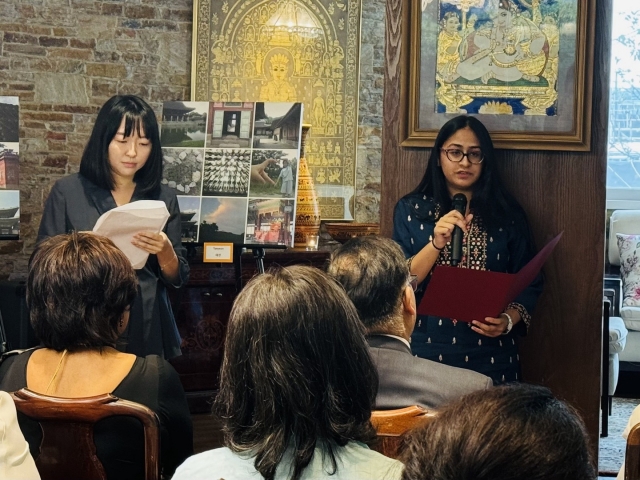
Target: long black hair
<point>296,370</point>
<point>490,199</point>
<point>138,115</point>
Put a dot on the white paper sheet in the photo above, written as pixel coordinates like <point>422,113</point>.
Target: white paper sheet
<point>122,223</point>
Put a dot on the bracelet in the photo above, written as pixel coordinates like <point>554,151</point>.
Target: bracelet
<point>509,323</point>
<point>435,246</point>
<point>162,265</point>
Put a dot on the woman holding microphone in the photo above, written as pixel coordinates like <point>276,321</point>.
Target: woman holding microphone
<point>496,237</point>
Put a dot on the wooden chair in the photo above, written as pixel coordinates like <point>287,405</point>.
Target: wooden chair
<point>67,449</point>
<point>391,425</point>
<point>632,455</point>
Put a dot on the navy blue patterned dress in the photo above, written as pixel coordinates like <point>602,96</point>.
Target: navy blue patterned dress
<point>502,249</point>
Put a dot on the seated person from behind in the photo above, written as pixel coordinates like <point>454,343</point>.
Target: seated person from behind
<point>374,273</point>
<point>510,432</point>
<point>16,463</point>
<point>79,290</point>
<point>296,387</point>
<point>634,419</point>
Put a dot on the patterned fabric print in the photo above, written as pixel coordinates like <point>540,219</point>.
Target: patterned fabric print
<point>629,269</point>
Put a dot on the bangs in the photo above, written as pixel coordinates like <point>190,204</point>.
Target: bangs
<point>135,122</point>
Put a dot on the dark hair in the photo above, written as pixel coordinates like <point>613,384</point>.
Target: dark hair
<point>138,115</point>
<point>296,370</point>
<point>511,432</point>
<point>78,288</point>
<point>373,272</point>
<point>490,199</point>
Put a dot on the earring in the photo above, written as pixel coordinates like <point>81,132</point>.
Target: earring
<point>121,323</point>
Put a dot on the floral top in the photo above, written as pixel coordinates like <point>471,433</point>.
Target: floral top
<point>502,249</point>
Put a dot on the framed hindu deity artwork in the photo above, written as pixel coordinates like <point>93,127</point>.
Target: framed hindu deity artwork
<point>289,51</point>
<point>524,67</point>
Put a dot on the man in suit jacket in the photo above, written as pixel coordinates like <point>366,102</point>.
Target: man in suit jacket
<point>375,275</point>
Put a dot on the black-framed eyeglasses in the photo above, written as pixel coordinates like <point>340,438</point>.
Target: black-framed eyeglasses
<point>456,155</point>
<point>412,281</point>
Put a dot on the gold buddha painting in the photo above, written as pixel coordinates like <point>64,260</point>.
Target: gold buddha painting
<point>289,51</point>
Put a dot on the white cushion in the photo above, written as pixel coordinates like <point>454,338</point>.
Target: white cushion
<point>631,352</point>
<point>631,317</point>
<point>629,246</point>
<point>617,335</point>
<point>622,221</point>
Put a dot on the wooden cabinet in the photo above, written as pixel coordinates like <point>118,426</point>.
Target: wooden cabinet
<point>202,309</point>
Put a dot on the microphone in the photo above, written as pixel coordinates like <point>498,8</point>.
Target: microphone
<point>459,203</point>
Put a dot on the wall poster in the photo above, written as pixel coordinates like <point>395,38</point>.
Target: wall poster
<point>234,168</point>
<point>9,168</point>
<point>289,51</point>
<point>523,66</point>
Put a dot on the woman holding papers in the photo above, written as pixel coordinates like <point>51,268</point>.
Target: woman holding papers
<point>496,237</point>
<point>122,163</point>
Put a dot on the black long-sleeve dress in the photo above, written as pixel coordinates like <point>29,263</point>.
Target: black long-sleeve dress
<point>151,382</point>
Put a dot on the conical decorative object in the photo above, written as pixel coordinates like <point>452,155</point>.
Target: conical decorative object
<point>307,208</point>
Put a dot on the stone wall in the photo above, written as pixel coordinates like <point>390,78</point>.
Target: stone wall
<point>65,58</point>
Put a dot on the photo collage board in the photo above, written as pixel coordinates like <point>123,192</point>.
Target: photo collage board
<point>234,167</point>
<point>9,168</point>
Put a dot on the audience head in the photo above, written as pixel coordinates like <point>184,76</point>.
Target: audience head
<point>296,370</point>
<point>138,118</point>
<point>511,432</point>
<point>374,273</point>
<point>80,287</point>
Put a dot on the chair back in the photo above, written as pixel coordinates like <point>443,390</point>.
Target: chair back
<point>68,449</point>
<point>391,425</point>
<point>632,455</point>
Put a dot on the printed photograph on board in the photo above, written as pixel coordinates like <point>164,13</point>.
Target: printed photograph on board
<point>184,124</point>
<point>182,170</point>
<point>277,125</point>
<point>9,117</point>
<point>222,220</point>
<point>230,125</point>
<point>270,220</point>
<point>274,173</point>
<point>9,214</point>
<point>226,172</point>
<point>189,218</point>
<point>9,165</point>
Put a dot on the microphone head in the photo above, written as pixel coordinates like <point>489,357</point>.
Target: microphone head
<point>459,202</point>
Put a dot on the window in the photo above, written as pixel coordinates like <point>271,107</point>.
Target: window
<point>623,158</point>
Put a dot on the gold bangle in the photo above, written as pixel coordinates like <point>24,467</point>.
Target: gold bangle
<point>162,265</point>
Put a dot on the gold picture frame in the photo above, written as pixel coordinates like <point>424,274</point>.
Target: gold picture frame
<point>304,51</point>
<point>484,63</point>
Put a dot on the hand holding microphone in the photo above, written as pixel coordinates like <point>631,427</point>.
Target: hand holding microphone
<point>451,227</point>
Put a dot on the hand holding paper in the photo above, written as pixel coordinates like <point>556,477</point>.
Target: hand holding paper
<point>123,223</point>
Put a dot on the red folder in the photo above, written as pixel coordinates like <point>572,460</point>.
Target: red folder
<point>466,294</point>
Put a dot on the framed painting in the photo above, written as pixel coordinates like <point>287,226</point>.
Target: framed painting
<point>523,67</point>
<point>303,51</point>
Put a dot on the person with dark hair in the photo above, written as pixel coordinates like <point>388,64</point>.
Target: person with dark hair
<point>374,273</point>
<point>80,288</point>
<point>296,386</point>
<point>511,432</point>
<point>122,163</point>
<point>496,238</point>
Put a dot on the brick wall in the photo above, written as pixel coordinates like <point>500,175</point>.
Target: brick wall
<point>65,58</point>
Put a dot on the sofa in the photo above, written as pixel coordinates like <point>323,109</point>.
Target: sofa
<point>624,252</point>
